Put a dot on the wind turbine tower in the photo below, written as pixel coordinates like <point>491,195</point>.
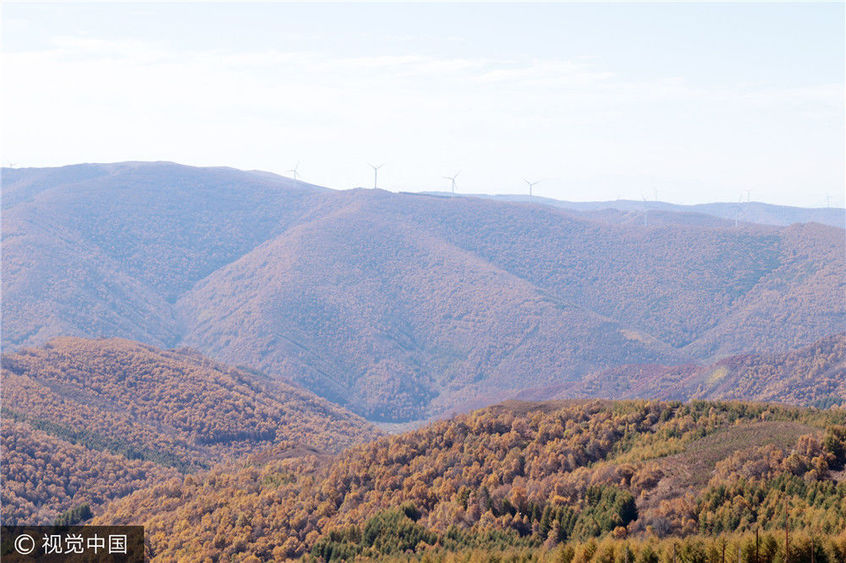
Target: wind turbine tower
<point>452,181</point>
<point>738,209</point>
<point>531,185</point>
<point>293,171</point>
<point>376,168</point>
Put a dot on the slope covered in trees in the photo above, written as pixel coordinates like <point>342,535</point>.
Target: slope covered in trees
<point>45,476</point>
<point>104,249</point>
<point>813,375</point>
<point>517,476</point>
<point>394,318</point>
<point>398,306</point>
<point>120,408</point>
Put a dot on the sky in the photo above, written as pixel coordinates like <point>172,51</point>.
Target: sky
<point>685,102</point>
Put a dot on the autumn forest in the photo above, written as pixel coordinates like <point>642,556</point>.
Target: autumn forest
<point>258,369</point>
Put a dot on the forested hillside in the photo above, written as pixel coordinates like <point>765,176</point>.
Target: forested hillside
<point>104,250</point>
<point>549,477</point>
<point>384,318</point>
<point>813,375</point>
<point>398,306</point>
<point>46,477</point>
<point>86,409</point>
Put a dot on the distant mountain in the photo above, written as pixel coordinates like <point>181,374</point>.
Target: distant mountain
<point>813,375</point>
<point>89,409</point>
<point>398,306</point>
<point>104,250</point>
<point>382,312</point>
<point>658,212</point>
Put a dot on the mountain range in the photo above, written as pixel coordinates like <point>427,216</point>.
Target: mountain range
<point>399,306</point>
<point>716,213</point>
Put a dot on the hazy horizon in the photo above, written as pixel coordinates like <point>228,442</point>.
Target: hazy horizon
<point>516,195</point>
<point>699,102</point>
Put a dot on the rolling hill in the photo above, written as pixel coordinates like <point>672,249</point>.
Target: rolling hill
<point>394,318</point>
<point>398,306</point>
<point>522,476</point>
<point>85,409</point>
<point>104,250</point>
<point>46,477</point>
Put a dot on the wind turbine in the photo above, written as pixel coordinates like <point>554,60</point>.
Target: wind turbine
<point>452,181</point>
<point>738,209</point>
<point>376,173</point>
<point>294,170</point>
<point>531,185</point>
<point>645,211</point>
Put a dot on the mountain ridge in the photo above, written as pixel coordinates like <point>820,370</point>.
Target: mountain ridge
<point>725,212</point>
<point>401,306</point>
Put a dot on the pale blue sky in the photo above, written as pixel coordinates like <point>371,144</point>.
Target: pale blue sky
<point>697,101</point>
